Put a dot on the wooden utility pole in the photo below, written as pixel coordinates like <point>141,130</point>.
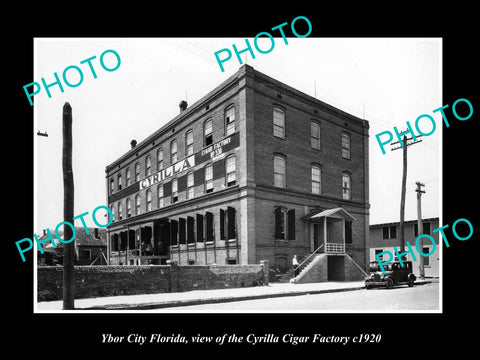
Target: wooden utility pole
<point>421,263</point>
<point>404,145</point>
<point>68,191</point>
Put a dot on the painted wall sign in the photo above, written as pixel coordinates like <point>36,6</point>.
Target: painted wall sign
<point>210,153</point>
<point>170,171</point>
<point>216,151</point>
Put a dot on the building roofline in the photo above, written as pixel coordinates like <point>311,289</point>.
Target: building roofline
<point>172,123</point>
<point>406,222</point>
<point>244,70</point>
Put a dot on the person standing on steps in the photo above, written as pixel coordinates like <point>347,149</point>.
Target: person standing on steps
<point>295,265</point>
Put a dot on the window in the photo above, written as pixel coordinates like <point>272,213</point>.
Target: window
<point>137,172</point>
<point>378,252</point>
<point>173,152</point>
<point>128,177</point>
<point>190,186</point>
<point>230,170</point>
<point>279,171</point>
<point>174,191</point>
<point>346,186</point>
<point>129,207</point>
<point>316,179</point>
<point>426,259</point>
<point>112,185</point>
<point>113,213</point>
<point>390,232</point>
<point>148,165</point>
<point>120,211</point>
<point>393,232</point>
<point>137,204</point>
<point>315,135</point>
<point>207,133</point>
<point>189,143</point>
<point>119,181</point>
<point>149,199</point>
<point>230,120</point>
<point>345,146</point>
<point>160,196</point>
<point>426,228</point>
<point>278,123</point>
<point>208,178</point>
<point>284,223</point>
<point>85,254</point>
<point>160,159</point>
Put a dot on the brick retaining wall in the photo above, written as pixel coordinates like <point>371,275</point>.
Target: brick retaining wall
<point>98,281</point>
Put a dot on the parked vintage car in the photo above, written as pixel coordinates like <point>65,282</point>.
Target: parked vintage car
<point>395,274</point>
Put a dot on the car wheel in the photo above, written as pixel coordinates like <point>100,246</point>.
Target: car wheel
<point>389,283</point>
<point>411,282</point>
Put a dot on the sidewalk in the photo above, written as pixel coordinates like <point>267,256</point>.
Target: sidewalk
<point>196,297</point>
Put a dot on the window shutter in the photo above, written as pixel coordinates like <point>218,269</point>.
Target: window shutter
<point>278,224</point>
<point>222,224</point>
<point>123,239</point>
<point>173,232</point>
<point>131,239</point>
<point>182,183</point>
<point>167,189</point>
<point>190,229</point>
<point>348,232</point>
<point>231,223</point>
<point>199,177</point>
<point>209,233</point>
<point>199,228</point>
<point>181,231</point>
<point>291,224</point>
<point>219,169</point>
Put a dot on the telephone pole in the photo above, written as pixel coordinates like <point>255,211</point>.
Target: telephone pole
<point>68,191</point>
<point>419,191</point>
<point>404,145</point>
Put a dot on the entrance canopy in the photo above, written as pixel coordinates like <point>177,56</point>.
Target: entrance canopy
<point>339,213</point>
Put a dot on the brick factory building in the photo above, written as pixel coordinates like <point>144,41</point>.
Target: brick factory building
<point>255,170</point>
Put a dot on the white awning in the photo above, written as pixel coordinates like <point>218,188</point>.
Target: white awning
<point>338,213</point>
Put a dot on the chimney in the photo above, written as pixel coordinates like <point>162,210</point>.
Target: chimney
<point>183,105</point>
<point>133,143</point>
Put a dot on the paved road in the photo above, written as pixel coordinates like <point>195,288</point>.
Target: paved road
<point>421,297</point>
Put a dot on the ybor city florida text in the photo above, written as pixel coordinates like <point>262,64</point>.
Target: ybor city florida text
<point>251,339</point>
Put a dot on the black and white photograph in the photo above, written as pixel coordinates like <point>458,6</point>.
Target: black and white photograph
<point>272,187</point>
<point>256,181</point>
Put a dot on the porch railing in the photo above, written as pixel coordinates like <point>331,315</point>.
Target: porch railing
<point>334,248</point>
<point>307,259</point>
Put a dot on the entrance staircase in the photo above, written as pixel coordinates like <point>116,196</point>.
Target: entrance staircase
<point>315,267</point>
<point>305,262</point>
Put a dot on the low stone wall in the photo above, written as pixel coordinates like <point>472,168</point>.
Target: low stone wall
<point>112,280</point>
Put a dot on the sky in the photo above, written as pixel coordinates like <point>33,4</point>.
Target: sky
<point>386,81</point>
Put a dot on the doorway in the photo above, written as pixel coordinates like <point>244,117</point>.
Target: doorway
<point>335,268</point>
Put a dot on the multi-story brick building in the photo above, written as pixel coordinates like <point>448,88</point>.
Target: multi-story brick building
<point>255,170</point>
